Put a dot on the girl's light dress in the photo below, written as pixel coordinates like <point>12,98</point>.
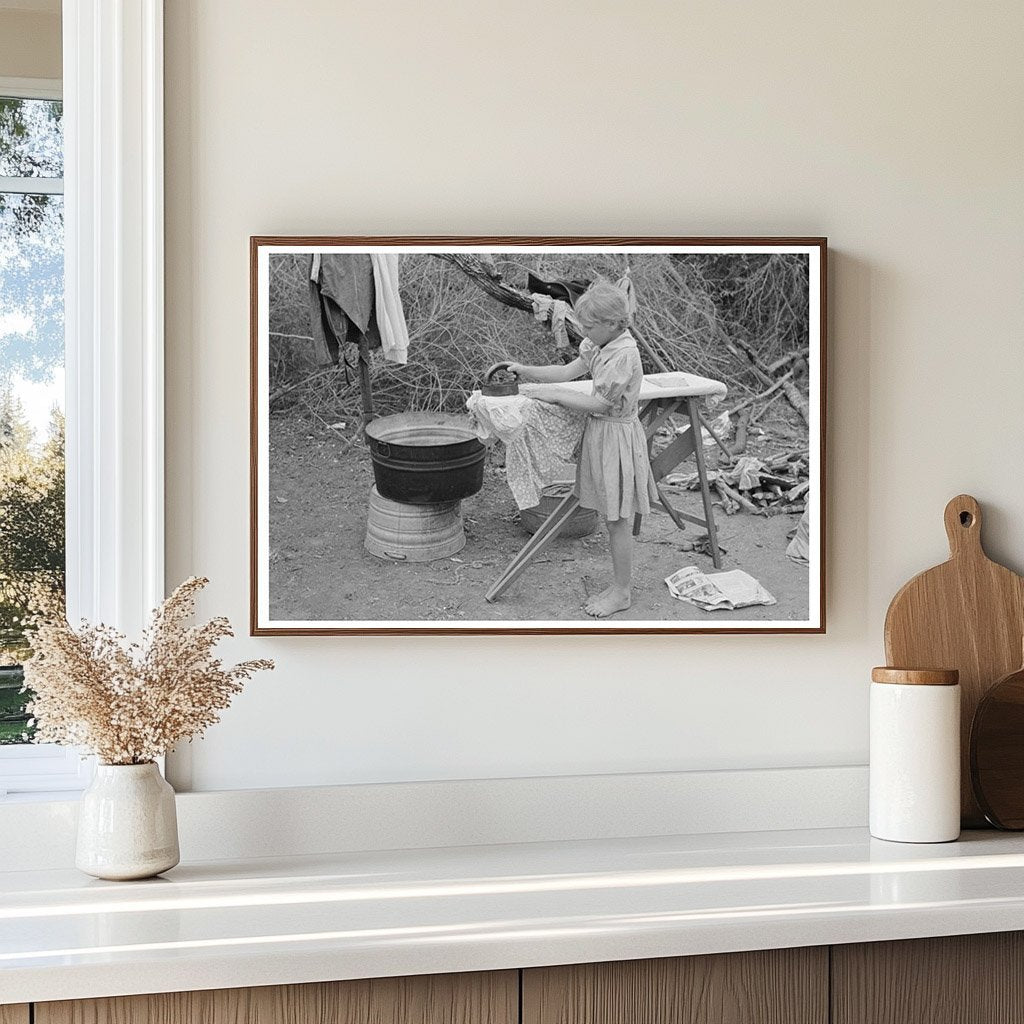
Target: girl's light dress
<point>614,474</point>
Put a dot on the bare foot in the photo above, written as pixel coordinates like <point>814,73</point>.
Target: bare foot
<point>608,602</point>
<point>595,596</point>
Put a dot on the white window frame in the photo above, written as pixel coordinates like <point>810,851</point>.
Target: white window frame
<point>31,89</point>
<point>114,347</point>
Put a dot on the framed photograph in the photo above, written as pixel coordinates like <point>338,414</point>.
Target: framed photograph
<point>537,435</point>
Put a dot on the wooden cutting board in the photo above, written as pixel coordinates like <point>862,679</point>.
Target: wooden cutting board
<point>967,614</point>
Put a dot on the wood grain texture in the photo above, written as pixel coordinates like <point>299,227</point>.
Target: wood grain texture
<point>967,614</point>
<point>997,752</point>
<point>777,986</point>
<point>14,1014</point>
<point>480,998</point>
<point>915,676</point>
<point>961,979</point>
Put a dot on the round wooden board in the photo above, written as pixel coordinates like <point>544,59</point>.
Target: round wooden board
<point>997,752</point>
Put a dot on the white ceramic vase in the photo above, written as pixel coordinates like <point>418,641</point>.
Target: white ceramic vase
<point>127,825</point>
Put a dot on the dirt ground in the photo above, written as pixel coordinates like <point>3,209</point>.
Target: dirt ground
<point>319,569</point>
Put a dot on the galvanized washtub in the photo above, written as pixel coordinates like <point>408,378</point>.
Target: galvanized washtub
<point>405,532</point>
<point>425,458</point>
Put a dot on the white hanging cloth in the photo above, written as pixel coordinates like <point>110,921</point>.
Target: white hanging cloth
<point>394,334</point>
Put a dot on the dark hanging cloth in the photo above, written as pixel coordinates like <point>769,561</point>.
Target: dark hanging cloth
<point>560,288</point>
<point>341,304</point>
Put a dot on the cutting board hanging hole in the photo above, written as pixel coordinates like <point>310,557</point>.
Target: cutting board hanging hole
<point>963,526</point>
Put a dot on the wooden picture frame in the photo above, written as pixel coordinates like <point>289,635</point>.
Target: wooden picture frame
<point>795,377</point>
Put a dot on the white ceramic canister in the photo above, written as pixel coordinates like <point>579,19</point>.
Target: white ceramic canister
<point>915,755</point>
<point>127,824</point>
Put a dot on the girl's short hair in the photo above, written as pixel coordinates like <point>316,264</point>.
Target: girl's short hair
<point>605,302</point>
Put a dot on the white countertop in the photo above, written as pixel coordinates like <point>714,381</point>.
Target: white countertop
<point>356,915</point>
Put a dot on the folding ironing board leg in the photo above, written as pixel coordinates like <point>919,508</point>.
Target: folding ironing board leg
<point>549,529</point>
<point>669,507</point>
<point>650,420</point>
<point>702,474</point>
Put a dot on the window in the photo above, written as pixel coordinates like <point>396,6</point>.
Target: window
<point>113,330</point>
<point>32,531</point>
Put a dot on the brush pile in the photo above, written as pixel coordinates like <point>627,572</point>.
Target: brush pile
<point>736,318</point>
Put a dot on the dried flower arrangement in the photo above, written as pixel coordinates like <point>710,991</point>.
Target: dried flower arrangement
<point>130,703</point>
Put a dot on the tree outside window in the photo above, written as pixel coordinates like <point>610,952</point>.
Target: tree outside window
<point>32,546</point>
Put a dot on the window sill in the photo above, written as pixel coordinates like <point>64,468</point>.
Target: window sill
<point>275,921</point>
<point>42,797</point>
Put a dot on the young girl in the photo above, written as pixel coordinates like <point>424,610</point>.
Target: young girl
<point>614,473</point>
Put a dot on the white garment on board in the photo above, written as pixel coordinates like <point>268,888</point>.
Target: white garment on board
<point>540,438</point>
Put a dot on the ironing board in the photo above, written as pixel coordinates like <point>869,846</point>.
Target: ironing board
<point>661,395</point>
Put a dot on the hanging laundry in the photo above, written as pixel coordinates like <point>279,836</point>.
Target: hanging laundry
<point>560,288</point>
<point>353,295</point>
<point>394,334</point>
<point>346,279</point>
<point>341,303</point>
<point>555,311</point>
<point>328,323</point>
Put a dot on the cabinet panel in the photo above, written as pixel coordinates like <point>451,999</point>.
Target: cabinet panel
<point>777,986</point>
<point>14,1014</point>
<point>481,998</point>
<point>961,979</point>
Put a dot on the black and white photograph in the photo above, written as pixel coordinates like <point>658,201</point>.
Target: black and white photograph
<point>537,435</point>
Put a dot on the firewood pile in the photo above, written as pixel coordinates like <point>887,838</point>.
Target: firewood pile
<point>768,486</point>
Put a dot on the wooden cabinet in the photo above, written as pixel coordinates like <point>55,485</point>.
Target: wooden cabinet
<point>777,986</point>
<point>962,979</point>
<point>967,979</point>
<point>491,998</point>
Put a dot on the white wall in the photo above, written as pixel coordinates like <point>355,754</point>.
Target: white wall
<point>894,129</point>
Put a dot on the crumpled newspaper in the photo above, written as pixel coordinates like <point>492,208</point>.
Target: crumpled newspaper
<point>717,591</point>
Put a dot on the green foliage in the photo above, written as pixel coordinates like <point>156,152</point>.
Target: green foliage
<point>32,545</point>
<point>32,525</point>
<point>14,727</point>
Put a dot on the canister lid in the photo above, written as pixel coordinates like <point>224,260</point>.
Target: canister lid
<point>916,676</point>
